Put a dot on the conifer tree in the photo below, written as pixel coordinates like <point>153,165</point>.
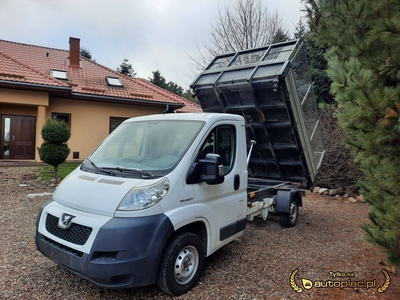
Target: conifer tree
<point>363,38</point>
<point>86,53</point>
<point>158,79</point>
<point>171,86</point>
<point>317,65</point>
<point>54,150</point>
<point>126,68</point>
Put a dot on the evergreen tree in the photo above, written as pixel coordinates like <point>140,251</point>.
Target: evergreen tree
<point>280,35</point>
<point>85,53</point>
<point>363,38</point>
<point>188,94</point>
<point>126,68</point>
<point>317,65</point>
<point>158,79</point>
<point>54,150</point>
<point>174,88</point>
<point>318,71</point>
<point>301,30</point>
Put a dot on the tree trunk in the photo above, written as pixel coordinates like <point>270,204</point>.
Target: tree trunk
<point>55,172</point>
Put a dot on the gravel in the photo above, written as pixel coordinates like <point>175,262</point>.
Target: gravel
<point>267,262</point>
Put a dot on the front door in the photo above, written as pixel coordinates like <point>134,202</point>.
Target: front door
<point>223,204</point>
<point>18,137</point>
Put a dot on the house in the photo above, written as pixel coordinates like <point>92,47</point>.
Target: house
<point>37,83</point>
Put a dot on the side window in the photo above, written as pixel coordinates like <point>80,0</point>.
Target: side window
<point>62,117</point>
<point>115,122</point>
<point>222,141</point>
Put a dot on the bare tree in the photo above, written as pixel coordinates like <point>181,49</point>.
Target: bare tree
<point>247,24</point>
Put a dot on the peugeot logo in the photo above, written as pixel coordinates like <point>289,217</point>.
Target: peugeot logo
<point>65,221</point>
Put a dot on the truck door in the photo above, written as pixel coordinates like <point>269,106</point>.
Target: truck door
<point>223,205</point>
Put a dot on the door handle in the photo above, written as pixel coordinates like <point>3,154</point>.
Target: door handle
<point>236,182</point>
<point>13,137</point>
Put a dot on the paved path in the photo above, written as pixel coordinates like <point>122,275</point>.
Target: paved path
<point>19,163</point>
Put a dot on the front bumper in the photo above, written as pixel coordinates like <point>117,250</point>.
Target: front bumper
<point>125,252</point>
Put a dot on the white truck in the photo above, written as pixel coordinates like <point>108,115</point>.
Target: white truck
<point>162,192</point>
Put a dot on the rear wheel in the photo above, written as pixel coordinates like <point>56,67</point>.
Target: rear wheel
<point>181,264</point>
<point>290,219</point>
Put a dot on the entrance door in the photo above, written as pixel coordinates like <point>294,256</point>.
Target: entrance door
<point>18,137</point>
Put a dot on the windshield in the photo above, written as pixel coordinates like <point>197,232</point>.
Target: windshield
<point>143,148</point>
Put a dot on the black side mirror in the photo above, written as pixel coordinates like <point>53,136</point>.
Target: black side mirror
<point>208,170</point>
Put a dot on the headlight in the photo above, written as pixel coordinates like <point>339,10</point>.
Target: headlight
<point>144,197</point>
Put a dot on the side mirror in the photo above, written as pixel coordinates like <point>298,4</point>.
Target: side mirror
<point>208,170</point>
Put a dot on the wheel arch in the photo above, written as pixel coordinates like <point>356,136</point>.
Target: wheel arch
<point>198,228</point>
<point>284,197</point>
<point>298,198</point>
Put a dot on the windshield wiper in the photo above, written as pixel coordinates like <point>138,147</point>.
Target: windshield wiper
<point>92,163</point>
<point>100,169</point>
<point>144,174</point>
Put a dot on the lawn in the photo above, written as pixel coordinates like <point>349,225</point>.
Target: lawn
<point>47,172</point>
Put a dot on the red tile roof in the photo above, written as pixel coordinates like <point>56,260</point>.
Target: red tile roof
<point>14,70</point>
<point>29,64</point>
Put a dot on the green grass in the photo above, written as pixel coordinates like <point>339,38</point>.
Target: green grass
<point>47,172</point>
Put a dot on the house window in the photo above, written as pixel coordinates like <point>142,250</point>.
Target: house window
<point>115,122</point>
<point>59,74</point>
<point>6,140</point>
<point>62,117</point>
<point>114,81</point>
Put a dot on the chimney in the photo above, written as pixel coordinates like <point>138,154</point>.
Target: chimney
<point>74,52</point>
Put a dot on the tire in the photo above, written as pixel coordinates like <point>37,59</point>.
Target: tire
<point>181,264</point>
<point>290,219</point>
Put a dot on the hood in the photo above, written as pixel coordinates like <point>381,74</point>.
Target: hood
<point>93,193</point>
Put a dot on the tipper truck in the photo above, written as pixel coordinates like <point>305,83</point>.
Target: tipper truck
<point>162,192</point>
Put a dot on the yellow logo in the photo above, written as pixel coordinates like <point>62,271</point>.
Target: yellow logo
<point>307,284</point>
<point>342,284</point>
<point>385,286</point>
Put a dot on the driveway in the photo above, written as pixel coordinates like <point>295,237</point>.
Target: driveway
<point>312,260</point>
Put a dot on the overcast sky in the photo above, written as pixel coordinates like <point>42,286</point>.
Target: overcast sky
<point>151,34</point>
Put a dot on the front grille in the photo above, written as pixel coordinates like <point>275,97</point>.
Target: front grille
<point>76,234</point>
<point>62,247</point>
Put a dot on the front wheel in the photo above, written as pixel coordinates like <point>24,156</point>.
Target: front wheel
<point>181,264</point>
<point>290,219</point>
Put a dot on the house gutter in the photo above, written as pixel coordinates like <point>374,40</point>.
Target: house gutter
<point>167,109</point>
<point>143,102</point>
<point>35,85</point>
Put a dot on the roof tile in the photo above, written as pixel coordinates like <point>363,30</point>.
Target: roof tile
<point>32,64</point>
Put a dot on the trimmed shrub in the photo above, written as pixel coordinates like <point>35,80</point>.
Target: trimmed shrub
<point>56,132</point>
<point>53,154</point>
<point>54,150</point>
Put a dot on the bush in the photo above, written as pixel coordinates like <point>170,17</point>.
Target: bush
<point>53,154</point>
<point>56,132</point>
<point>54,150</point>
